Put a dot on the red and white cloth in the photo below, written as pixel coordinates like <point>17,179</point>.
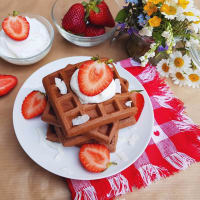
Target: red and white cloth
<point>175,143</point>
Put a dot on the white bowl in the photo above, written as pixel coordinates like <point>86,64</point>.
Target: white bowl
<point>40,55</point>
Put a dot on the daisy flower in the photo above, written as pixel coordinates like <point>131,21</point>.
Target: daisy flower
<point>191,15</point>
<point>163,67</point>
<point>179,77</point>
<point>178,61</point>
<point>195,26</point>
<point>193,78</point>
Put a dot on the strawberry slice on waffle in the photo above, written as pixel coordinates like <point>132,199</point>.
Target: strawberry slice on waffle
<point>94,77</point>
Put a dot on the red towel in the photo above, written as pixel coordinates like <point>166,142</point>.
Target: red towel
<point>175,143</point>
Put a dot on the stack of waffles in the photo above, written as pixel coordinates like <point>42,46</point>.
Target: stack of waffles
<point>105,119</point>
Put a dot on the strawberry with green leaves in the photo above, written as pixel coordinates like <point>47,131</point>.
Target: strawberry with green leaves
<point>33,104</point>
<point>74,19</point>
<point>16,26</point>
<point>7,83</point>
<point>98,13</point>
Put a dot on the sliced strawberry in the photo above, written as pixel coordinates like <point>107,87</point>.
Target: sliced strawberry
<point>33,104</point>
<point>94,157</point>
<point>139,103</point>
<point>7,83</point>
<point>16,27</point>
<point>93,30</point>
<point>94,77</point>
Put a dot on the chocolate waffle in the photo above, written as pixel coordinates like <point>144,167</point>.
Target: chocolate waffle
<point>53,134</point>
<point>68,106</point>
<point>49,117</point>
<point>103,133</point>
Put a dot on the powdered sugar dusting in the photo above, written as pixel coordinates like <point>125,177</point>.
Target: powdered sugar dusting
<point>133,139</point>
<point>122,156</point>
<point>80,120</point>
<point>128,103</point>
<point>61,85</point>
<point>118,88</point>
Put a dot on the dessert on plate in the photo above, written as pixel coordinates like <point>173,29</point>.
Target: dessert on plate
<point>86,104</point>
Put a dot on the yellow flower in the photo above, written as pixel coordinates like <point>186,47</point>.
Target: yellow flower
<point>183,3</point>
<point>197,22</point>
<point>188,13</point>
<point>194,77</point>
<point>155,21</point>
<point>156,1</point>
<point>169,10</point>
<point>150,8</point>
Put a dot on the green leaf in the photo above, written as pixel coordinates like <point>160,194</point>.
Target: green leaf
<point>99,1</point>
<point>95,58</point>
<point>84,3</point>
<point>121,16</point>
<point>15,13</point>
<point>109,61</point>
<point>96,9</point>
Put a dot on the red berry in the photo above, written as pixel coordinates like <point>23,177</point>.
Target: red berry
<point>7,83</point>
<point>94,77</point>
<point>73,20</point>
<point>94,157</point>
<point>16,27</point>
<point>139,103</point>
<point>103,17</point>
<point>93,30</point>
<point>33,104</point>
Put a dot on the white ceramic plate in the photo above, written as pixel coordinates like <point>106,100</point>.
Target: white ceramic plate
<point>64,161</point>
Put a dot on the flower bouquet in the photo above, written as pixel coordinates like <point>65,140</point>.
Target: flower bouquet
<point>172,28</point>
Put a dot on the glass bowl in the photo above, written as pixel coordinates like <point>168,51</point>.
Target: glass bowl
<point>59,9</point>
<point>39,55</point>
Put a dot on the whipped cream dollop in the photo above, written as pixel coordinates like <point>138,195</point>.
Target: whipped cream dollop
<point>37,40</point>
<point>106,94</point>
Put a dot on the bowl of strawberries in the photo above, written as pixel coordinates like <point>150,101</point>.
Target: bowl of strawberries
<point>85,23</point>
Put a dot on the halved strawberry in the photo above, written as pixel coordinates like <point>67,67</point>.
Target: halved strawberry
<point>7,83</point>
<point>33,104</point>
<point>139,103</point>
<point>94,157</point>
<point>16,27</point>
<point>94,77</point>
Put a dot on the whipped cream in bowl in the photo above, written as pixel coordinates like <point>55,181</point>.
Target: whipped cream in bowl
<point>31,50</point>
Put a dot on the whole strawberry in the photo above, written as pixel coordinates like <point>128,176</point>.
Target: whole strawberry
<point>99,13</point>
<point>93,30</point>
<point>73,20</point>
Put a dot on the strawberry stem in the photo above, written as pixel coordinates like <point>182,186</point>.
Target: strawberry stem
<point>136,90</point>
<point>95,58</point>
<point>109,61</point>
<point>15,13</point>
<point>111,163</point>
